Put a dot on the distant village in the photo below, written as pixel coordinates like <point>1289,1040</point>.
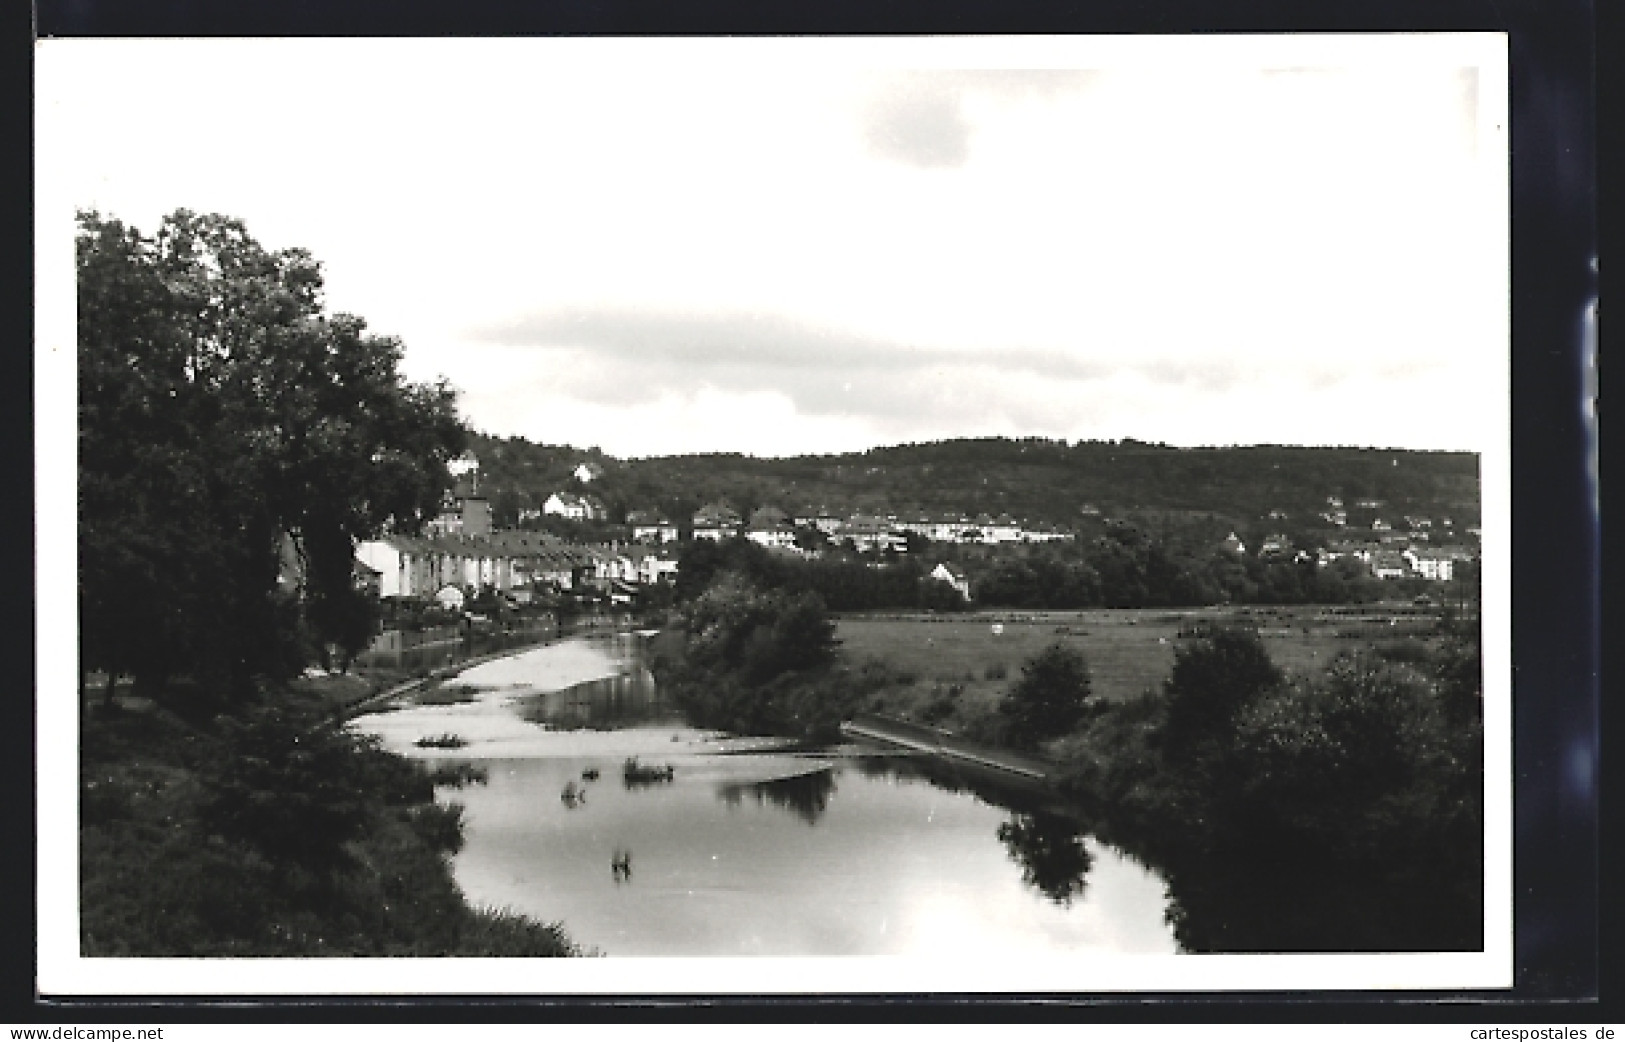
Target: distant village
<point>462,553</point>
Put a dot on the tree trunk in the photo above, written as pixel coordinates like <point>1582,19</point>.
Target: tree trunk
<point>107,694</point>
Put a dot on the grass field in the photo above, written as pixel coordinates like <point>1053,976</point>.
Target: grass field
<point>1128,651</point>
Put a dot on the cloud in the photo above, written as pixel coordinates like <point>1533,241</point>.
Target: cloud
<point>632,358</point>
<point>920,119</point>
<point>920,129</point>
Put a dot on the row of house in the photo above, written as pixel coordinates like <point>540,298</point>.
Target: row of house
<point>513,562</point>
<point>1435,563</point>
<point>775,528</point>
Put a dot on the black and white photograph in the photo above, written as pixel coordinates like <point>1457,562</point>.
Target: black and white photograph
<point>933,515</point>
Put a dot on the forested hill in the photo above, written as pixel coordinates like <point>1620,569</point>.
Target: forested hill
<point>1041,481</point>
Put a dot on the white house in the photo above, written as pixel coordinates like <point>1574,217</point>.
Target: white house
<point>586,472</point>
<point>651,527</point>
<point>873,533</point>
<point>1437,563</point>
<point>1001,529</point>
<point>1389,564</point>
<point>953,576</point>
<point>654,568</point>
<point>576,508</point>
<point>770,527</point>
<point>1275,544</point>
<point>1043,535</point>
<point>716,521</point>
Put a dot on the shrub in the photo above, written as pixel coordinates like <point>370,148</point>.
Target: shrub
<point>440,825</point>
<point>1050,700</point>
<point>1212,680</point>
<point>456,775</point>
<point>294,792</point>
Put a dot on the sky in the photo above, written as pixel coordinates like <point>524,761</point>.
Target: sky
<point>805,246</point>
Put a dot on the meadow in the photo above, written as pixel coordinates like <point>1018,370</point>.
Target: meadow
<point>970,660</point>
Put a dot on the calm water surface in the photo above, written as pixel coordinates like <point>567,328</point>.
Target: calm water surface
<point>751,849</point>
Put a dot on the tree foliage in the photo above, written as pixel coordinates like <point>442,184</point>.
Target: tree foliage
<point>1051,852</point>
<point>1050,700</point>
<point>1212,681</point>
<point>1342,811</point>
<point>225,420</point>
<point>757,661</point>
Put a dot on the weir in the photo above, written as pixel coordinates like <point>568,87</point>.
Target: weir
<point>933,742</point>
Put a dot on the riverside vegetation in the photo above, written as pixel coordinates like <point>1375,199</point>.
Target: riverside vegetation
<point>1335,809</point>
<point>270,831</point>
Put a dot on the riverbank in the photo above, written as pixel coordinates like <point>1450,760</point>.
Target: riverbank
<point>267,831</point>
<point>950,670</point>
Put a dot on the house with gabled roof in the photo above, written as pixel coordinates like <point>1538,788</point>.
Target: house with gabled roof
<point>464,511</point>
<point>1389,564</point>
<point>1275,545</point>
<point>716,521</point>
<point>954,576</point>
<point>651,526</point>
<point>574,507</point>
<point>869,532</point>
<point>769,526</point>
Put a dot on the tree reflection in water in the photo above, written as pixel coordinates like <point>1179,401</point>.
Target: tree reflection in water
<point>1050,850</point>
<point>805,795</point>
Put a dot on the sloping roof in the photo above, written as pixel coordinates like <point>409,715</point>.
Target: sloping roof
<point>716,514</point>
<point>768,518</point>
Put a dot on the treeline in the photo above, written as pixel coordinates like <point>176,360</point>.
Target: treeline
<point>1122,568</point>
<point>1044,481</point>
<point>841,583</point>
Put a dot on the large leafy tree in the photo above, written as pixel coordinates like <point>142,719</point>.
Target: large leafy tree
<point>228,424</point>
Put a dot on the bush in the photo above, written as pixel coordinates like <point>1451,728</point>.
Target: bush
<point>1050,700</point>
<point>293,791</point>
<point>440,825</point>
<point>1212,680</point>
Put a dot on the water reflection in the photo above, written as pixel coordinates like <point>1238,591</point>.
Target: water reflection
<point>1275,900</point>
<point>1050,850</point>
<point>609,704</point>
<point>804,795</point>
<point>913,857</point>
<point>991,786</point>
<point>636,775</point>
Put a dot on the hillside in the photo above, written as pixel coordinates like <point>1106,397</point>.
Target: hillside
<point>1042,481</point>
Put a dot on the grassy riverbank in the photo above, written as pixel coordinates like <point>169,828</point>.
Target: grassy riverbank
<point>262,831</point>
<point>951,670</point>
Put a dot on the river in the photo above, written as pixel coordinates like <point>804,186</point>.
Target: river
<point>749,848</point>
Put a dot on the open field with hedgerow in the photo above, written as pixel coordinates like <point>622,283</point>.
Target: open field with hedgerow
<point>960,663</point>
